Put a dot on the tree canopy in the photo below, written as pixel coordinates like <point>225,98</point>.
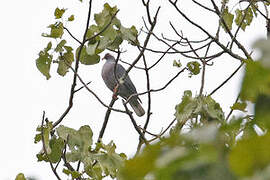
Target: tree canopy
<point>202,141</point>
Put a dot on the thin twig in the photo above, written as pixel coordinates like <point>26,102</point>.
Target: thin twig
<point>72,90</point>
<point>208,34</point>
<point>104,29</point>
<point>160,89</point>
<point>72,35</point>
<point>231,111</point>
<point>226,80</point>
<point>134,123</point>
<point>144,45</point>
<point>44,148</point>
<point>92,92</point>
<point>81,87</point>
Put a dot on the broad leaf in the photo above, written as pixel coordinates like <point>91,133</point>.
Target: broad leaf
<point>256,81</point>
<point>78,142</point>
<point>228,18</point>
<point>87,59</point>
<point>59,47</point>
<point>193,67</point>
<point>185,109</point>
<point>250,155</point>
<point>57,30</point>
<point>58,13</point>
<point>241,106</point>
<point>44,60</point>
<point>244,18</point>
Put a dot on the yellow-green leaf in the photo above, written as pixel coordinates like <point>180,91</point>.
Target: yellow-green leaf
<point>193,67</point>
<point>241,106</point>
<point>43,62</point>
<point>57,30</point>
<point>20,176</point>
<point>228,18</point>
<point>250,155</point>
<point>58,13</point>
<point>71,18</point>
<point>87,59</point>
<point>256,81</point>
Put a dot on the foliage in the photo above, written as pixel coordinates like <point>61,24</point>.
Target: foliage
<point>107,33</point>
<point>77,145</point>
<point>203,143</point>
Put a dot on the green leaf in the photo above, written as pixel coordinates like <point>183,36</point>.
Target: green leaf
<point>244,19</point>
<point>115,43</point>
<point>58,13</point>
<point>177,63</point>
<point>137,168</point>
<point>193,67</point>
<point>208,109</point>
<point>130,34</point>
<point>68,48</point>
<point>38,138</point>
<point>241,106</point>
<point>250,155</point>
<point>71,18</point>
<point>109,162</point>
<point>228,18</point>
<point>46,135</point>
<point>74,174</point>
<point>92,30</point>
<point>175,157</point>
<point>254,8</point>
<point>201,106</point>
<point>256,81</point>
<point>263,46</point>
<point>59,47</point>
<point>43,62</point>
<point>104,43</point>
<point>185,109</point>
<point>262,113</point>
<point>78,142</point>
<point>103,18</point>
<point>65,62</point>
<point>57,30</point>
<point>87,59</point>
<point>20,176</point>
<point>94,171</point>
<point>56,146</point>
<point>91,48</point>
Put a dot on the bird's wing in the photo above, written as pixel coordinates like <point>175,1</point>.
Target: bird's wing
<point>120,71</point>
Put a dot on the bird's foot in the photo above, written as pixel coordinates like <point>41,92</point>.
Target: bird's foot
<point>114,96</point>
<point>115,91</point>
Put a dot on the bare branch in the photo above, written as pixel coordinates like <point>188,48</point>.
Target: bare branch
<point>134,123</point>
<point>224,82</point>
<point>72,35</point>
<point>106,119</point>
<point>207,33</point>
<point>72,90</point>
<point>156,90</point>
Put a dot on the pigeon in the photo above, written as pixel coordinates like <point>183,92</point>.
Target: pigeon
<point>125,88</point>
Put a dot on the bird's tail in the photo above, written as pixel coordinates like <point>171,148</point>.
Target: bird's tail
<point>136,106</point>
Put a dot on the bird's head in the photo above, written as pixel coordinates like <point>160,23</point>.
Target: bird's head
<point>108,56</point>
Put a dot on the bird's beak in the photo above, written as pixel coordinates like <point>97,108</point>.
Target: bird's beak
<point>103,58</point>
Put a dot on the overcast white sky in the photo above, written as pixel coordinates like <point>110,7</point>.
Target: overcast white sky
<point>25,93</point>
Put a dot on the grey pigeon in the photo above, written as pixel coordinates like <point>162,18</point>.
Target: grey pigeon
<point>125,88</point>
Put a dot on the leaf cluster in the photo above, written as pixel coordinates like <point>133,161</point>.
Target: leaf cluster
<point>106,33</point>
<point>73,146</point>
